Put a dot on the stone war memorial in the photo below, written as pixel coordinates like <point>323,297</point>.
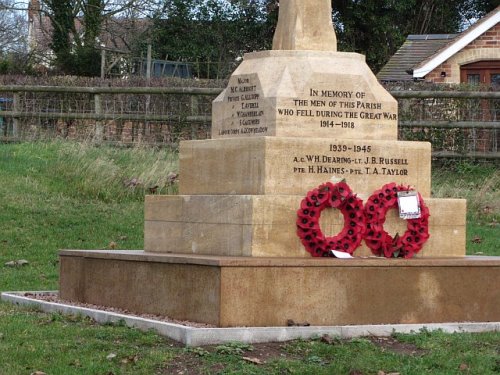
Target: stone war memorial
<point>303,168</point>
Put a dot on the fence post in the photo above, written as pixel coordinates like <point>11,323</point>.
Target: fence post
<point>16,106</point>
<point>103,63</point>
<point>195,110</point>
<point>98,132</point>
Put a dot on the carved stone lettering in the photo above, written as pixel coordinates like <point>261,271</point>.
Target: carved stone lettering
<point>349,159</point>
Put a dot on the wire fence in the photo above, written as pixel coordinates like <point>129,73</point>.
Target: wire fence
<point>457,123</point>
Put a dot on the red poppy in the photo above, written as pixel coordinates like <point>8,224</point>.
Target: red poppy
<point>343,189</point>
<point>378,240</point>
<point>336,196</point>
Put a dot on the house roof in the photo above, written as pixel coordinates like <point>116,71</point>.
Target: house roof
<point>415,49</point>
<point>457,44</point>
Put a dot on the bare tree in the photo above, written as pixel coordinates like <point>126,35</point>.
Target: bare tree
<point>13,27</point>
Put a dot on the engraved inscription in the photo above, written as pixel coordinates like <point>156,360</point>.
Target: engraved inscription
<point>349,159</point>
<point>337,108</point>
<point>246,108</point>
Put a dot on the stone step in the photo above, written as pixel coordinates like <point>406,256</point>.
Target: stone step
<point>266,292</point>
<point>265,226</point>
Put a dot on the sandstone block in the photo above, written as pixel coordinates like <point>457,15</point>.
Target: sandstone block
<point>305,25</point>
<point>280,166</point>
<point>304,94</point>
<point>264,226</point>
<point>251,292</point>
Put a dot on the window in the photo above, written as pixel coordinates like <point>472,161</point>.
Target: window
<point>481,73</point>
<point>474,79</point>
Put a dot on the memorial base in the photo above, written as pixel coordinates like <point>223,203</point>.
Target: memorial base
<point>264,226</point>
<point>263,292</point>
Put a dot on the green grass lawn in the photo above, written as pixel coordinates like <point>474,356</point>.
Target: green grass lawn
<point>63,195</point>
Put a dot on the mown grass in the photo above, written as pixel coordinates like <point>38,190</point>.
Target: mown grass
<point>73,196</point>
<point>33,341</point>
<point>67,195</point>
<point>480,185</point>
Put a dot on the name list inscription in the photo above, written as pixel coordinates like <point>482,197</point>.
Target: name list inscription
<point>246,107</point>
<point>348,160</point>
<point>337,108</point>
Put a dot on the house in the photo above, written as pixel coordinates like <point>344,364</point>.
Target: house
<point>472,56</point>
<point>39,34</point>
<point>119,35</point>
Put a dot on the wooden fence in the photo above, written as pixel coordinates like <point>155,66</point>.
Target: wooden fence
<point>457,123</point>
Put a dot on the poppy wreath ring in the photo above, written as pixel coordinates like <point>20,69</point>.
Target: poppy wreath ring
<point>382,243</point>
<point>332,195</point>
<point>360,222</point>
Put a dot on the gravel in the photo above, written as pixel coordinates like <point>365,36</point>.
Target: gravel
<point>54,297</point>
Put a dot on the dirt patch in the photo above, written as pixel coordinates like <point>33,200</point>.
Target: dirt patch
<point>395,346</point>
<point>195,361</point>
<point>268,352</point>
<point>188,364</point>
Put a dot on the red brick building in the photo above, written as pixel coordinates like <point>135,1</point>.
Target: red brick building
<point>472,56</point>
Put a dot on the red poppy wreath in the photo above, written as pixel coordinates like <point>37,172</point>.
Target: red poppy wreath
<point>338,196</point>
<point>382,243</point>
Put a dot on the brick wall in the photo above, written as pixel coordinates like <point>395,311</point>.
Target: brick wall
<point>490,39</point>
<point>486,47</point>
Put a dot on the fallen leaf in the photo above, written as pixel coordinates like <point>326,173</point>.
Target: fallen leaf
<point>463,367</point>
<point>172,177</point>
<point>256,361</point>
<point>110,356</point>
<point>130,359</point>
<point>477,240</point>
<point>327,340</point>
<point>113,245</point>
<point>17,263</point>
<point>381,373</point>
<point>132,183</point>
<point>292,323</point>
<point>38,373</point>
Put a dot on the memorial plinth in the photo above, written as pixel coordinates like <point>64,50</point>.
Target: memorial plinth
<point>225,251</point>
<point>292,165</point>
<point>259,226</point>
<point>305,94</point>
<point>266,292</point>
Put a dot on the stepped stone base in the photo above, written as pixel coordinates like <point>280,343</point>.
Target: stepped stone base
<point>264,226</point>
<point>260,292</point>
